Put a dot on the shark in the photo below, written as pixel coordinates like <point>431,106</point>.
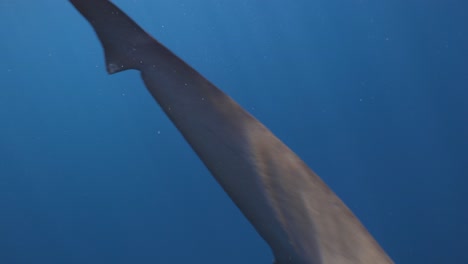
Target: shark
<point>300,218</point>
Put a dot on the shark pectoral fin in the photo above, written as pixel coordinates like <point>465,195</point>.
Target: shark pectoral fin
<point>121,47</point>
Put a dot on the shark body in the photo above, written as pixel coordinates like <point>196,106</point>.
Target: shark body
<point>292,209</point>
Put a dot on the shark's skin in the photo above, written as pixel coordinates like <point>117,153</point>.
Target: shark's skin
<point>291,208</point>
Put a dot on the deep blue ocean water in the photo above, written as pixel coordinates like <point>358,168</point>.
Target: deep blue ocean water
<point>373,95</point>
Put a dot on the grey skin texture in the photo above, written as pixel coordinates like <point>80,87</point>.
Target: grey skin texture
<point>292,209</point>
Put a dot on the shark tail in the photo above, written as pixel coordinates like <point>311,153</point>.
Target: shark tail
<point>121,47</point>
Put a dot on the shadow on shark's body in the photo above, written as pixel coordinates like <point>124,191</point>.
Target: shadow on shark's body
<point>293,210</point>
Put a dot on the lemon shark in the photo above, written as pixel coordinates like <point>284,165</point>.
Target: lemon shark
<point>292,209</point>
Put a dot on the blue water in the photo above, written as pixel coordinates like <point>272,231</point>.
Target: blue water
<point>373,95</point>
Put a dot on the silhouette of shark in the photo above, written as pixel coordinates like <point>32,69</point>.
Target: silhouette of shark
<point>292,209</point>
